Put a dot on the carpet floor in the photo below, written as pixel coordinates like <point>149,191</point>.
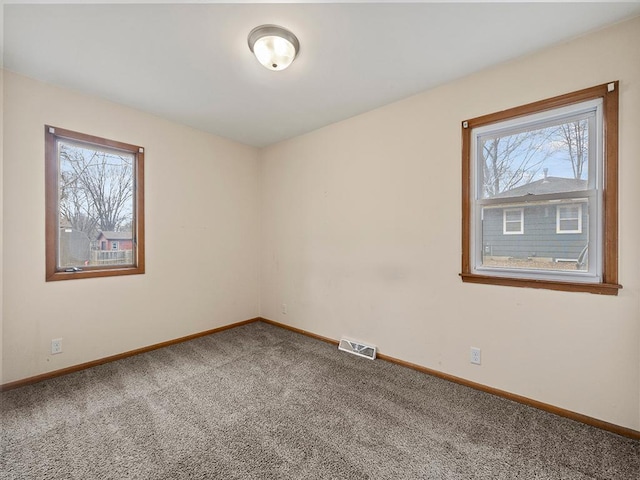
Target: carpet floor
<point>260,402</point>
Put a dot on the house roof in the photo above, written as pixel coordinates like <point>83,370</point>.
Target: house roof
<point>116,235</point>
<point>544,186</point>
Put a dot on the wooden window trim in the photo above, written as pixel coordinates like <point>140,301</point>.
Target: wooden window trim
<point>610,101</point>
<point>52,273</point>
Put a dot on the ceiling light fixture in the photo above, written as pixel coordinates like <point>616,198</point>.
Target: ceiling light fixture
<point>274,47</point>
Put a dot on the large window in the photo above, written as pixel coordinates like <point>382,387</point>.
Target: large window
<point>94,206</point>
<point>540,194</point>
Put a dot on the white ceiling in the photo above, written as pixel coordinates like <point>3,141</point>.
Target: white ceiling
<point>190,62</point>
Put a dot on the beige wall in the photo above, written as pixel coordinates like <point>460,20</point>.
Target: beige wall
<point>361,238</point>
<point>201,236</point>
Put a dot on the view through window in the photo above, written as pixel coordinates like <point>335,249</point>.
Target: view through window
<point>540,194</point>
<point>94,199</point>
<point>532,182</point>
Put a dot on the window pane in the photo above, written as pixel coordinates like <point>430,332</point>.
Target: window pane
<point>512,227</point>
<point>569,224</point>
<point>539,246</point>
<point>95,201</point>
<point>543,160</point>
<point>568,213</point>
<point>513,215</point>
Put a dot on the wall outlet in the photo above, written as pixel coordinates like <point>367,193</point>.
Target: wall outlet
<point>475,356</point>
<point>56,346</point>
<point>284,308</point>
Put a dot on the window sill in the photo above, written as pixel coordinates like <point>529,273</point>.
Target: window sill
<point>112,272</point>
<point>598,288</point>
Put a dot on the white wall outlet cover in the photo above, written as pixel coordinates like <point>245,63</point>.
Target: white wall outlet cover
<point>56,346</point>
<point>475,356</point>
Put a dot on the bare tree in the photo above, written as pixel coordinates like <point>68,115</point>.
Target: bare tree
<point>96,189</point>
<point>573,139</point>
<point>75,209</point>
<point>513,160</point>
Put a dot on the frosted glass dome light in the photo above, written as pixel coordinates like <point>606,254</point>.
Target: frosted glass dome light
<point>273,46</point>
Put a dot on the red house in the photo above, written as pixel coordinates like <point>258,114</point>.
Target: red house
<point>115,241</point>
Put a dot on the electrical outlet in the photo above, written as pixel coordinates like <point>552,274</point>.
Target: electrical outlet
<point>284,308</point>
<point>56,346</point>
<point>475,356</point>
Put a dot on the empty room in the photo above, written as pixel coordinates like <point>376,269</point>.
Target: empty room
<point>320,240</point>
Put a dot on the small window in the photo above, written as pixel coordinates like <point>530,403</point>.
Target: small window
<point>557,155</point>
<point>94,193</point>
<point>513,221</point>
<point>569,219</point>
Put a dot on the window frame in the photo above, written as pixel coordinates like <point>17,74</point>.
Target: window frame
<point>505,221</point>
<point>608,284</point>
<point>52,271</point>
<point>559,230</point>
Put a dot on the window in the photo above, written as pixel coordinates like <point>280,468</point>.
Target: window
<point>557,155</point>
<point>569,219</point>
<point>513,221</point>
<point>94,193</point>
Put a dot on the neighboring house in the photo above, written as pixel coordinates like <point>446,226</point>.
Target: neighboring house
<point>113,248</point>
<point>115,241</point>
<point>555,231</point>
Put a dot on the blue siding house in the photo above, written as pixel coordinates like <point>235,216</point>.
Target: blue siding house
<point>554,231</point>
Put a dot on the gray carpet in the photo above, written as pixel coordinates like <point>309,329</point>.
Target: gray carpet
<point>260,402</point>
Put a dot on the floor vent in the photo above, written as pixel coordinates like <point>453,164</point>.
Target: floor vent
<point>360,349</point>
